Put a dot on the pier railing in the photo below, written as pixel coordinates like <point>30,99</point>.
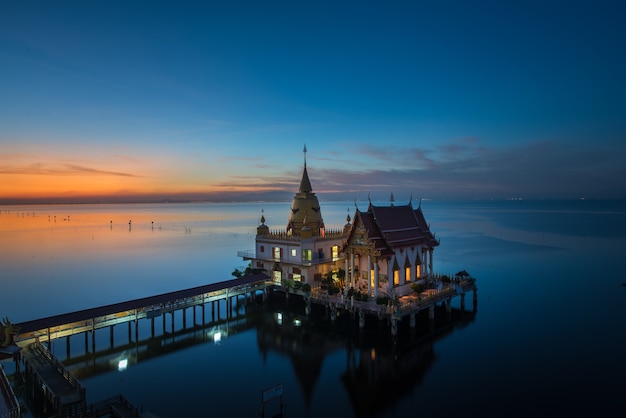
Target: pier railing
<point>403,306</point>
<point>12,409</point>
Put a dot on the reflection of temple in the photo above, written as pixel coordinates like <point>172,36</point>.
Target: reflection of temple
<point>379,370</point>
<point>290,334</point>
<point>305,250</point>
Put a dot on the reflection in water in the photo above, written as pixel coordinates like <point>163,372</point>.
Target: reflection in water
<point>379,370</point>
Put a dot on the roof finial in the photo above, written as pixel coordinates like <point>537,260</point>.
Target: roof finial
<point>411,198</point>
<point>304,154</point>
<point>369,199</point>
<point>391,199</point>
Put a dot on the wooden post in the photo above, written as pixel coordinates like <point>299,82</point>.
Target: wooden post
<point>111,338</point>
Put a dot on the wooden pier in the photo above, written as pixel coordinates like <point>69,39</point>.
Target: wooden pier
<point>51,387</point>
<point>90,320</point>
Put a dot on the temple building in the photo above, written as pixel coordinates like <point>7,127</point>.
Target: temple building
<point>388,248</point>
<point>305,250</point>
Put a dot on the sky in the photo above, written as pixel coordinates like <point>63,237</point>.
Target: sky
<point>145,101</point>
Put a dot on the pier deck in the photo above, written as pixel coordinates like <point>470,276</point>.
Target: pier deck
<point>45,329</point>
<point>60,388</point>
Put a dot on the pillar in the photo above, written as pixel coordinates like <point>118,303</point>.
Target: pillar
<point>333,313</point>
<point>129,337</point>
<point>448,305</point>
<point>431,312</point>
<point>307,306</point>
<point>412,319</point>
<point>152,327</point>
<point>361,319</point>
<point>136,329</point>
<point>163,317</point>
<point>376,277</point>
<point>184,318</point>
<point>348,281</point>
<point>352,268</point>
<point>67,347</point>
<point>111,339</point>
<point>369,275</point>
<point>173,322</point>
<point>394,326</point>
<point>462,301</point>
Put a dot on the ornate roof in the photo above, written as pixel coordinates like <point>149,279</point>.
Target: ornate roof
<point>387,228</point>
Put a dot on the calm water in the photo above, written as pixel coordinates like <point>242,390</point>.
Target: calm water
<point>548,338</point>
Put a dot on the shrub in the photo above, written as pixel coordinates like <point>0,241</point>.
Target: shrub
<point>417,288</point>
<point>306,287</point>
<point>382,300</point>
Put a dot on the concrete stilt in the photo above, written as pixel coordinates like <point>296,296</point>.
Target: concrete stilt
<point>361,319</point>
<point>412,320</point>
<point>333,312</point>
<point>462,301</point>
<point>431,312</point>
<point>394,326</point>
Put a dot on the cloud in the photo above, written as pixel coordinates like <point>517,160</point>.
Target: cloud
<point>60,170</point>
<point>468,169</point>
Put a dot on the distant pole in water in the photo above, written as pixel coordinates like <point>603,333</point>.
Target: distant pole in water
<point>129,225</point>
<point>111,224</point>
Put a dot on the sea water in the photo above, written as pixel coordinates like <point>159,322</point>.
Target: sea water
<point>548,336</point>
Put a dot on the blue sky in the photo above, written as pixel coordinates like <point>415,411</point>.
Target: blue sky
<point>434,99</point>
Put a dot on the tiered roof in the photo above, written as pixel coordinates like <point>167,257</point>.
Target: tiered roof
<point>393,227</point>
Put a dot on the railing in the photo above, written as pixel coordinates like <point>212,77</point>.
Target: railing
<point>108,406</point>
<point>74,383</point>
<point>6,390</point>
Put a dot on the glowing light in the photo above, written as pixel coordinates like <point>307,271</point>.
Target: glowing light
<point>279,318</point>
<point>122,365</point>
<point>297,322</point>
<point>217,337</point>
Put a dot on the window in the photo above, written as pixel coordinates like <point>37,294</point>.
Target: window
<point>335,251</point>
<point>294,252</point>
<point>396,277</point>
<point>418,271</point>
<point>307,255</point>
<point>407,274</point>
<point>262,249</point>
<point>278,252</point>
